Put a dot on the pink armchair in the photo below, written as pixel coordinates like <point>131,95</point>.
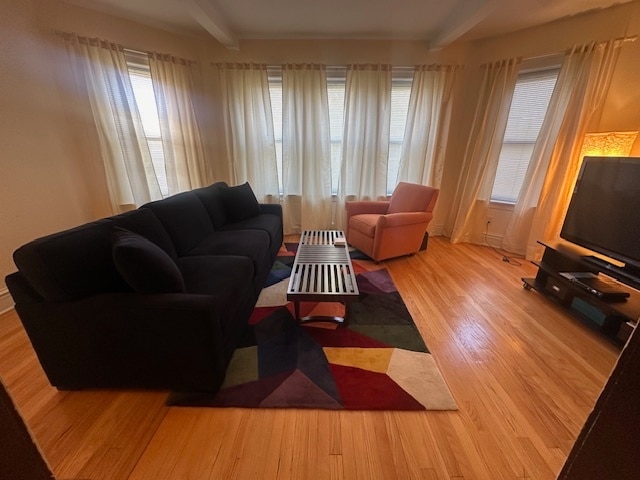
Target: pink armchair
<point>392,228</point>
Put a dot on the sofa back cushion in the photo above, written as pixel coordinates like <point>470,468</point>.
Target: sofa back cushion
<point>78,262</point>
<point>211,198</point>
<point>240,203</point>
<point>144,222</point>
<point>184,218</point>
<point>71,264</point>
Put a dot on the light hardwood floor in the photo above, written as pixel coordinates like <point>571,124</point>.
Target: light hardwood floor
<point>524,373</point>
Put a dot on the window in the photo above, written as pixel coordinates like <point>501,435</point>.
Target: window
<point>140,75</point>
<point>528,107</point>
<point>336,84</point>
<point>275,92</point>
<point>400,93</point>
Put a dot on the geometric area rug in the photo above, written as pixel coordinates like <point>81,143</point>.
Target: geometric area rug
<point>378,361</point>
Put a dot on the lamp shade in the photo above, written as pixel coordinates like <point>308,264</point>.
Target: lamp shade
<point>608,144</point>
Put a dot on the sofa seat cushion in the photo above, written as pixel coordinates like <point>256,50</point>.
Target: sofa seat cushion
<point>365,224</point>
<point>246,243</point>
<point>228,277</point>
<point>145,266</point>
<point>267,222</point>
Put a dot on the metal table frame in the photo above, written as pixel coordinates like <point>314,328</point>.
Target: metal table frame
<point>322,272</point>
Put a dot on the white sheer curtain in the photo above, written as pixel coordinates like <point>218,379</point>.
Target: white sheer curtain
<point>427,128</point>
<point>101,73</point>
<point>576,104</point>
<point>306,148</point>
<point>249,127</point>
<point>184,156</point>
<point>365,144</point>
<point>483,150</point>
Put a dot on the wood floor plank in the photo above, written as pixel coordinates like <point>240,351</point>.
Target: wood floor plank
<point>524,373</point>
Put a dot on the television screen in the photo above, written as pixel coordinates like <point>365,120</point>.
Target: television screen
<point>604,213</point>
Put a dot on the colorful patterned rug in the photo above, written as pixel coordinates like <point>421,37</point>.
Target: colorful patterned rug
<point>378,361</point>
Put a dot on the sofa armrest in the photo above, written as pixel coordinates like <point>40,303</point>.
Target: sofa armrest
<point>128,340</point>
<point>272,208</point>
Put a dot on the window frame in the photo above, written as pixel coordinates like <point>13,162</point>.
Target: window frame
<point>337,76</point>
<point>530,68</point>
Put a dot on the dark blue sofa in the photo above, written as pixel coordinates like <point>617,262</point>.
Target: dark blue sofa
<point>155,298</point>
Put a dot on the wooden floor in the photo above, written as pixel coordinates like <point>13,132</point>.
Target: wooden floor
<point>524,373</point>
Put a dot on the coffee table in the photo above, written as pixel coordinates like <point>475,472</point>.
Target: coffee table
<point>322,272</point>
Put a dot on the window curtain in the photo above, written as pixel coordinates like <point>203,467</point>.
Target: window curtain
<point>427,128</point>
<point>306,148</point>
<point>101,73</point>
<point>575,106</point>
<point>365,143</point>
<point>483,150</point>
<point>249,127</point>
<point>184,156</point>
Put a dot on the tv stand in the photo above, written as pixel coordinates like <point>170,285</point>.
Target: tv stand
<point>625,274</point>
<point>615,319</point>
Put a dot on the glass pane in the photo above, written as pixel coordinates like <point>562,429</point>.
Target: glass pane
<point>146,101</point>
<point>157,158</point>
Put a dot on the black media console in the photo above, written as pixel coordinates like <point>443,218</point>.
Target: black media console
<point>568,275</point>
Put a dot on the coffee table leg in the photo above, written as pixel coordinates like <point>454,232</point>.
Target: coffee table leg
<point>296,306</point>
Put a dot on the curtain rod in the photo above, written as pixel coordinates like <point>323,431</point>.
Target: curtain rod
<point>68,35</point>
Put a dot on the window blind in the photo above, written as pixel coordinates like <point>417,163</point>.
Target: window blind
<point>528,108</point>
<point>140,76</point>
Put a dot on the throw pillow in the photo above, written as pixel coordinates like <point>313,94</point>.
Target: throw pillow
<point>240,202</point>
<point>143,265</point>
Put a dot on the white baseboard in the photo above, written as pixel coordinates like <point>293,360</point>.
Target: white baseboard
<point>436,230</point>
<point>494,241</point>
<point>6,301</point>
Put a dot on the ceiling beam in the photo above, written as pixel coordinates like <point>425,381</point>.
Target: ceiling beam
<point>212,21</point>
<point>463,17</point>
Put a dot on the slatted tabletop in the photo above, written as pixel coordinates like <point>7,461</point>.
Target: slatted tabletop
<point>322,269</point>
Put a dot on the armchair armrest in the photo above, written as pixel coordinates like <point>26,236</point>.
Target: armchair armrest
<point>404,218</point>
<point>364,207</point>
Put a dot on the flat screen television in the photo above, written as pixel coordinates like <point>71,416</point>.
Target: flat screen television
<point>604,213</point>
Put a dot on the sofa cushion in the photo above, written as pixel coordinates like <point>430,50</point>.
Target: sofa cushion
<point>253,244</point>
<point>227,276</point>
<point>240,202</point>
<point>145,266</point>
<point>144,222</point>
<point>184,218</point>
<point>211,198</point>
<point>71,264</point>
<point>270,223</point>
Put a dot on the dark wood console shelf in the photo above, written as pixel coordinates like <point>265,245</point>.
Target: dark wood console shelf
<point>614,319</point>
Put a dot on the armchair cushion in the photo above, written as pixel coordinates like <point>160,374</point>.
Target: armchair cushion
<point>411,197</point>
